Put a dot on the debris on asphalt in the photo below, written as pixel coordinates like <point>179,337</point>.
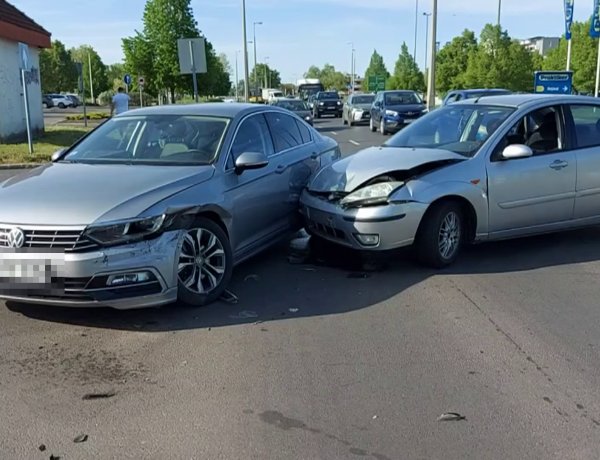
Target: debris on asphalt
<point>81,438</point>
<point>451,417</point>
<point>105,395</point>
<point>294,310</point>
<point>359,275</point>
<point>229,297</point>
<point>374,417</point>
<point>295,259</point>
<point>299,248</point>
<point>252,277</point>
<point>42,448</point>
<point>245,314</point>
<point>54,457</point>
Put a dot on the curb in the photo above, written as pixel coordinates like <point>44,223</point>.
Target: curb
<point>20,166</point>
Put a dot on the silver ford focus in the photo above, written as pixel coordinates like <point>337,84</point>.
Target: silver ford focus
<point>484,169</point>
<point>156,205</point>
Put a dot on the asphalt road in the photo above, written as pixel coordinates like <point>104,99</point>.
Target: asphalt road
<point>325,361</point>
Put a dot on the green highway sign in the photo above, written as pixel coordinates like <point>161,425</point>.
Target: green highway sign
<point>376,83</point>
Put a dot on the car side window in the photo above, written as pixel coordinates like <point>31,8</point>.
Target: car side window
<point>304,132</point>
<point>285,131</point>
<point>586,119</point>
<point>252,136</point>
<point>540,130</point>
<point>451,98</point>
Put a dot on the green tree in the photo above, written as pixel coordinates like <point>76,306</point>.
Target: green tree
<point>333,79</point>
<point>406,73</point>
<point>500,62</point>
<point>583,57</point>
<point>57,69</point>
<point>217,79</point>
<point>313,72</point>
<point>88,56</point>
<point>139,61</point>
<point>452,62</point>
<point>266,76</point>
<point>376,67</point>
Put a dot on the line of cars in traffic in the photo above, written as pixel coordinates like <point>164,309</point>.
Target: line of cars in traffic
<point>62,101</point>
<point>160,204</point>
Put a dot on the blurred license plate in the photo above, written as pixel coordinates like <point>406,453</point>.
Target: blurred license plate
<point>408,121</point>
<point>16,271</point>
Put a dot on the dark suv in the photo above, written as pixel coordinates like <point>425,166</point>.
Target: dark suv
<point>394,109</point>
<point>327,102</point>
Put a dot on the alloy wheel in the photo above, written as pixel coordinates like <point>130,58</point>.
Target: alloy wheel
<point>449,235</point>
<point>202,261</point>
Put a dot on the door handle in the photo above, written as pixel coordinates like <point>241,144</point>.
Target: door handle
<point>557,165</point>
<point>314,155</point>
<point>281,169</point>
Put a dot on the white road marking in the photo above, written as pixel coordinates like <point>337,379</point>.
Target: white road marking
<point>333,132</point>
<point>353,142</point>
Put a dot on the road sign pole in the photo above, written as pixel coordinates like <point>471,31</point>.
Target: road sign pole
<point>27,118</point>
<point>194,78</point>
<point>569,54</point>
<point>141,98</point>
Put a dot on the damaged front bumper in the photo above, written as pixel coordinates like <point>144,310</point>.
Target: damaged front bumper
<point>374,228</point>
<point>137,275</point>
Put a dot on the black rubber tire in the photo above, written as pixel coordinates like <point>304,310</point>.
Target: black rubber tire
<point>427,249</point>
<point>61,105</point>
<point>192,299</point>
<point>372,126</point>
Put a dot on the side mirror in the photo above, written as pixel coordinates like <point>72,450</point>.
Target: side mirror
<point>516,151</point>
<point>250,160</point>
<point>57,155</point>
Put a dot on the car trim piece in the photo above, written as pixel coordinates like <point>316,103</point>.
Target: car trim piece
<point>537,200</point>
<point>374,219</point>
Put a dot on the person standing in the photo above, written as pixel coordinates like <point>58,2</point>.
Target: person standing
<point>120,102</point>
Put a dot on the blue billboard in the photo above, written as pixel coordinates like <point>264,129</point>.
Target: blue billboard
<point>548,82</point>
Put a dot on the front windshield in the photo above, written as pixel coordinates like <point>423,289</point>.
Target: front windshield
<point>295,105</point>
<point>402,98</point>
<point>461,129</point>
<point>328,95</point>
<point>153,139</point>
<point>363,99</point>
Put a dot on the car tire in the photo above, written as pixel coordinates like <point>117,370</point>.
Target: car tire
<point>382,128</point>
<point>343,119</point>
<point>371,125</point>
<point>441,235</point>
<point>61,105</point>
<point>204,271</point>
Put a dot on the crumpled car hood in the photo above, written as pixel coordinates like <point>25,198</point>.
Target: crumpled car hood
<point>351,172</point>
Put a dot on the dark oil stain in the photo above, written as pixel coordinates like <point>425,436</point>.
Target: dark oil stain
<point>335,438</point>
<point>596,422</point>
<point>356,451</point>
<point>280,421</point>
<point>547,399</point>
<point>264,329</point>
<point>472,372</point>
<point>580,406</point>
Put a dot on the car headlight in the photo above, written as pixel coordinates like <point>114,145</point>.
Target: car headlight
<point>371,195</point>
<point>391,113</point>
<point>125,231</point>
<point>321,103</point>
<point>339,103</point>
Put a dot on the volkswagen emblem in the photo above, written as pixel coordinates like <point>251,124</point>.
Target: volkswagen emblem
<point>15,238</point>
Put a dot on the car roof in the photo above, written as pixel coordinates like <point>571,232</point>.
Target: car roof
<point>211,109</point>
<point>519,100</point>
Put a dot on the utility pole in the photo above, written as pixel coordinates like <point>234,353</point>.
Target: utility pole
<point>352,66</point>
<point>431,76</point>
<point>246,88</point>
<point>426,36</point>
<point>237,80</point>
<point>91,81</point>
<point>254,43</point>
<point>499,10</point>
<point>416,28</point>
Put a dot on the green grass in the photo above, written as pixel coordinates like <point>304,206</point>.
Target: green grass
<point>90,116</point>
<point>54,139</point>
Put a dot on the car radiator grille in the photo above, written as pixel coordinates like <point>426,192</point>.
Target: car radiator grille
<point>71,240</point>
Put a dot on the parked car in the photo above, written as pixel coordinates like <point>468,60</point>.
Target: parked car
<point>156,204</point>
<point>47,101</point>
<point>298,106</point>
<point>357,108</point>
<point>60,100</point>
<point>506,166</point>
<point>462,94</point>
<point>392,110</point>
<point>74,99</point>
<point>327,103</point>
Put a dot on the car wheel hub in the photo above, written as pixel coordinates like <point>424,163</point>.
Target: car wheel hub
<point>449,236</point>
<point>201,265</point>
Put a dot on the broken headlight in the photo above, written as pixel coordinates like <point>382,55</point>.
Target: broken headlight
<point>125,231</point>
<point>371,195</point>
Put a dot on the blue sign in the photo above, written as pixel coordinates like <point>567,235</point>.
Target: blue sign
<point>569,5</point>
<point>554,82</point>
<point>127,79</point>
<point>595,23</point>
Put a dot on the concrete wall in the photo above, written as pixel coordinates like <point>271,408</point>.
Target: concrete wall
<point>12,106</point>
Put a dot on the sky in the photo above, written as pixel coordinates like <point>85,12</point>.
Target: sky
<point>296,34</point>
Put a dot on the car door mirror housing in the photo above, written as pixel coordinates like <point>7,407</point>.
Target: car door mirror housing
<point>516,151</point>
<point>250,160</point>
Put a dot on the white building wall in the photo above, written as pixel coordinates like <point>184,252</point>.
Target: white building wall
<point>12,107</point>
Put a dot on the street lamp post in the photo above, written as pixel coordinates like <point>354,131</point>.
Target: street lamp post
<point>499,10</point>
<point>416,28</point>
<point>426,35</point>
<point>237,80</point>
<point>245,38</point>
<point>431,76</point>
<point>266,70</point>
<point>352,67</point>
<point>254,24</point>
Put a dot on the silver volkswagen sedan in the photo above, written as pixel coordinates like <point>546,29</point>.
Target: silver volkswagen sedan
<point>155,205</point>
<point>490,168</point>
